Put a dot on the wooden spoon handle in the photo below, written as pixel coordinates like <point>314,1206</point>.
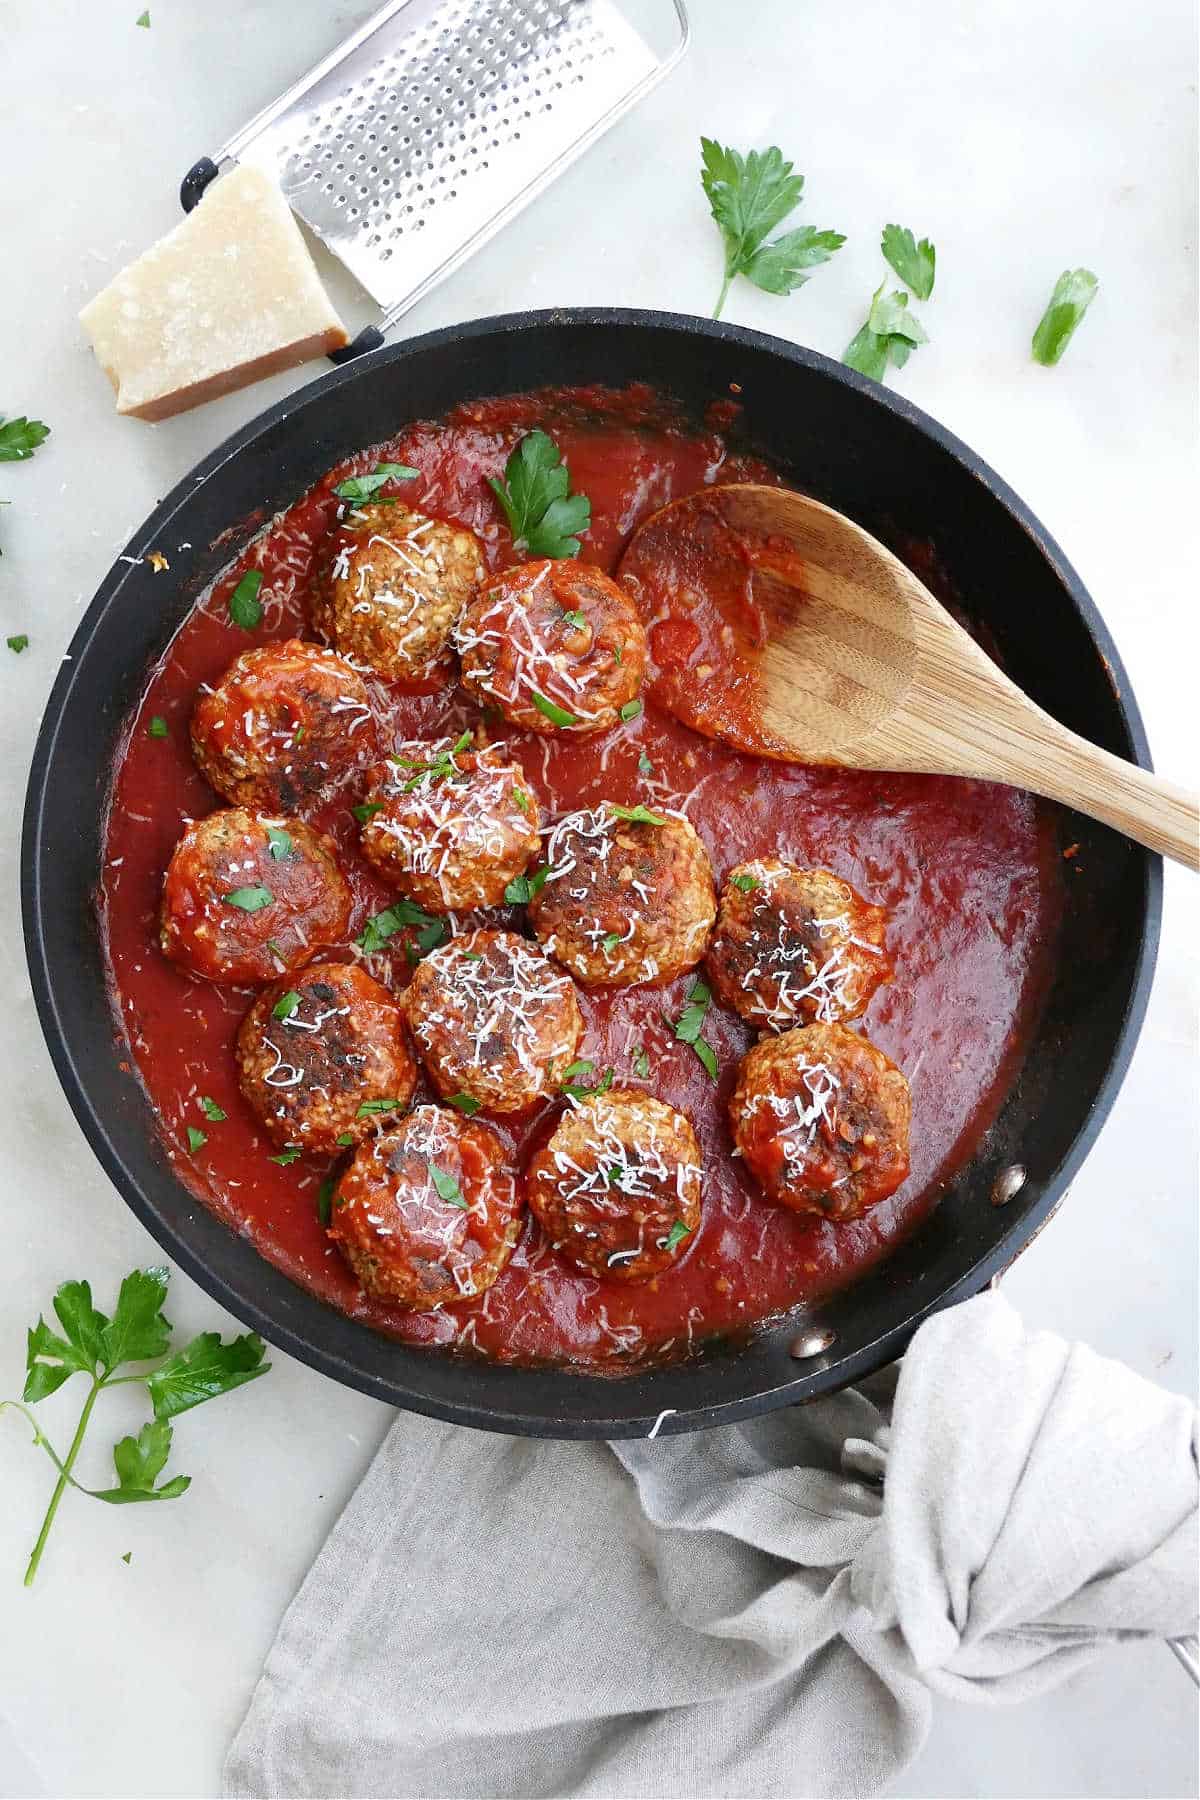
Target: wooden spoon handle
<point>1145,807</point>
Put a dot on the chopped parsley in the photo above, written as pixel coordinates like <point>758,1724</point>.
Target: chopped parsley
<point>630,710</point>
<point>581,1089</point>
<point>287,1155</point>
<point>522,888</point>
<point>448,1188</point>
<point>636,815</point>
<point>575,619</point>
<point>158,728</point>
<point>676,1235</point>
<point>196,1139</point>
<point>245,607</point>
<point>641,1061</point>
<point>1073,293</point>
<point>467,1104</point>
<point>280,842</point>
<point>344,1140</point>
<point>430,931</point>
<point>324,1200</point>
<point>367,810</point>
<point>370,1108</point>
<point>645,766</point>
<point>557,715</point>
<point>521,798</point>
<point>286,1005</point>
<point>746,884</point>
<point>144,21</point>
<point>18,643</point>
<point>690,1024</point>
<point>249,899</point>
<point>611,941</point>
<point>545,518</point>
<point>442,768</point>
<point>748,197</point>
<point>365,487</point>
<point>211,1110</point>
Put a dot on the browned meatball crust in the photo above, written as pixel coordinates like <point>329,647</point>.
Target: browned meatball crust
<point>322,1059</point>
<point>427,1215</point>
<point>247,898</point>
<point>450,826</point>
<point>795,945</point>
<point>285,724</point>
<point>390,586</point>
<point>822,1117</point>
<point>616,1188</point>
<point>627,899</point>
<point>494,1021</point>
<point>557,646</point>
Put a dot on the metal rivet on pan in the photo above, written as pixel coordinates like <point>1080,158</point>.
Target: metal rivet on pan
<point>811,1342</point>
<point>1008,1184</point>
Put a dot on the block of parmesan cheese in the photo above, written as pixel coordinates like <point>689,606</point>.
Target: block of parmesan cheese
<point>229,296</point>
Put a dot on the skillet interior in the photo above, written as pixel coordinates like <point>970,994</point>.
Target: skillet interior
<point>838,437</point>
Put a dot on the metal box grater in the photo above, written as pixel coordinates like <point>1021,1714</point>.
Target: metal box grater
<point>435,122</point>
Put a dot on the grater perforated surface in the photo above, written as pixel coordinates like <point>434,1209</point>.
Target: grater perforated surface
<point>439,120</point>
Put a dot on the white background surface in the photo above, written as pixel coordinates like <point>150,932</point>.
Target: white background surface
<point>1022,139</point>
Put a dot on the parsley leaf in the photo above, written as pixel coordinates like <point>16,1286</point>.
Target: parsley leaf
<point>641,1062</point>
<point>139,1461</point>
<point>645,766</point>
<point>748,196</point>
<point>19,438</point>
<point>370,1107</point>
<point>690,1024</point>
<point>196,1139</point>
<point>467,1104</point>
<point>676,1235</point>
<point>890,334</point>
<point>367,810</point>
<point>344,1140</point>
<point>249,899</point>
<point>245,607</point>
<point>211,1110</point>
<point>430,931</point>
<point>630,710</point>
<point>325,1200</point>
<point>143,20</point>
<point>522,888</point>
<point>580,1090</point>
<point>745,884</point>
<point>158,728</point>
<point>521,798</point>
<point>286,1005</point>
<point>610,942</point>
<point>1073,293</point>
<point>636,815</point>
<point>98,1347</point>
<point>557,715</point>
<point>203,1370</point>
<point>280,842</point>
<point>707,1055</point>
<point>545,518</point>
<point>18,643</point>
<point>915,264</point>
<point>448,1188</point>
<point>289,1154</point>
<point>364,487</point>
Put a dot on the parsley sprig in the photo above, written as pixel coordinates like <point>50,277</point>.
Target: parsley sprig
<point>19,438</point>
<point>545,518</point>
<point>442,767</point>
<point>689,1026</point>
<point>749,196</point>
<point>891,332</point>
<point>94,1345</point>
<point>430,931</point>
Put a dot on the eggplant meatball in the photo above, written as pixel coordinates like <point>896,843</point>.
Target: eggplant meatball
<point>821,1117</point>
<point>616,1189</point>
<point>450,827</point>
<point>795,945</point>
<point>629,897</point>
<point>284,724</point>
<point>493,1020</point>
<point>557,646</point>
<point>391,587</point>
<point>428,1214</point>
<point>321,1057</point>
<point>247,898</point>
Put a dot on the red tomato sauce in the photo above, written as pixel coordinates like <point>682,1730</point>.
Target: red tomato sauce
<point>969,872</point>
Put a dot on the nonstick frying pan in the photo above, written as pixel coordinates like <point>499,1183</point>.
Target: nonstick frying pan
<point>844,440</point>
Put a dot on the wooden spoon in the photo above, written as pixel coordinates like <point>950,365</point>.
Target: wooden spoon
<point>786,630</point>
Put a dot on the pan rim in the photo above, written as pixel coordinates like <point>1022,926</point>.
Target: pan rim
<point>641,1393</point>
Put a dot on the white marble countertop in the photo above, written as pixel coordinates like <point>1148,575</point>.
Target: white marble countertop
<point>1023,139</point>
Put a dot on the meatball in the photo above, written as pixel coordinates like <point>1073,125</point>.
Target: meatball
<point>283,725</point>
<point>821,1117</point>
<point>629,897</point>
<point>322,1058</point>
<point>391,586</point>
<point>247,898</point>
<point>616,1189</point>
<point>494,1021</point>
<point>451,827</point>
<point>557,646</point>
<point>427,1214</point>
<point>793,945</point>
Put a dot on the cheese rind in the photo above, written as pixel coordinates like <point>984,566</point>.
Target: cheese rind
<point>229,296</point>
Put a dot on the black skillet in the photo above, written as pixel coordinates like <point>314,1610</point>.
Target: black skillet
<point>844,440</point>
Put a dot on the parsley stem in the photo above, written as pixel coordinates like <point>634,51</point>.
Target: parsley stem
<point>723,293</point>
<point>61,1484</point>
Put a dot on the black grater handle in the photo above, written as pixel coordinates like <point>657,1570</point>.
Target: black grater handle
<point>192,187</point>
<point>369,338</point>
